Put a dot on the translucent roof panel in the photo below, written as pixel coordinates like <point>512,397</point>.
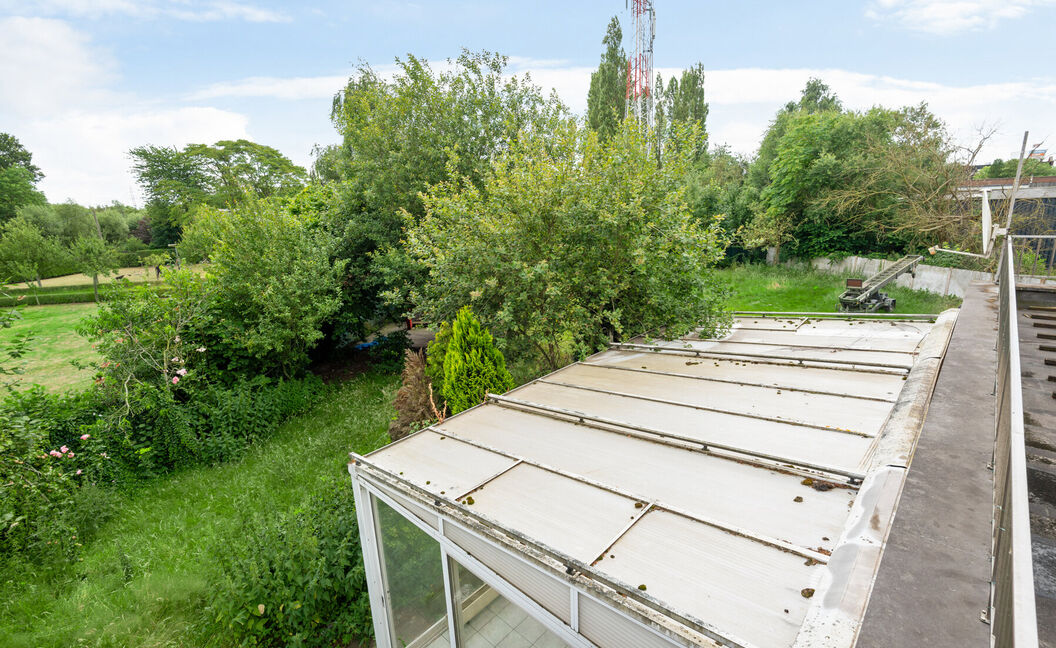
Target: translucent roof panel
<point>719,482</point>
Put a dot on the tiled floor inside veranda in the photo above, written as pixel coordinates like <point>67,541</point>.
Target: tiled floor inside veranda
<point>503,625</point>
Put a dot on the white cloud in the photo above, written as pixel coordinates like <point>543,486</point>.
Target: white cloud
<point>274,87</point>
<point>85,154</point>
<point>195,11</point>
<point>48,66</point>
<point>945,17</point>
<point>56,97</point>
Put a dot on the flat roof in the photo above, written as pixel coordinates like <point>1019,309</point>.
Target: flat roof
<point>742,488</point>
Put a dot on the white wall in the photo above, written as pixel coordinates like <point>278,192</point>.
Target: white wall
<point>944,281</point>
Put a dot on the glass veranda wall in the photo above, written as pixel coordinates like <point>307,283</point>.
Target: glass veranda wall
<point>436,584</point>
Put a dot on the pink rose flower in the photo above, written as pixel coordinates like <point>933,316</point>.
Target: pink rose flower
<point>182,372</point>
<point>85,437</point>
<point>175,379</point>
<point>55,453</point>
<point>79,471</point>
<point>70,455</point>
<point>64,449</point>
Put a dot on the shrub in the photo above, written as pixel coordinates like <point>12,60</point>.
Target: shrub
<point>295,579</point>
<point>388,351</point>
<point>571,242</point>
<point>413,406</point>
<point>41,467</point>
<point>473,365</point>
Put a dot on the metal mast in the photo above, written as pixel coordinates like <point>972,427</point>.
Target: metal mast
<point>640,64</point>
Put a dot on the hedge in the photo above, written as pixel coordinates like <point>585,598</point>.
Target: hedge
<point>28,299</point>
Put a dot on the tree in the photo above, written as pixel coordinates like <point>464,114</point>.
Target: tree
<point>682,103</point>
<point>237,168</point>
<point>18,177</point>
<point>1007,169</point>
<point>814,98</point>
<point>572,241</point>
<point>13,154</point>
<point>607,97</point>
<point>25,253</point>
<point>402,135</point>
<point>473,365</point>
<point>222,175</point>
<point>279,283</point>
<point>17,190</point>
<point>849,182</point>
<point>93,257</point>
<point>173,182</point>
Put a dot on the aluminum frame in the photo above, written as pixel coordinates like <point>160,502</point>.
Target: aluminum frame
<point>367,491</point>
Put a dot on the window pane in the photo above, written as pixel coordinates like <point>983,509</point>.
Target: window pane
<point>488,620</point>
<point>414,582</point>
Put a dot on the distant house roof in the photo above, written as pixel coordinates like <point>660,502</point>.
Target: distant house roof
<point>724,491</point>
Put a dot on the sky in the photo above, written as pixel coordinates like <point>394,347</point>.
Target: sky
<point>84,81</point>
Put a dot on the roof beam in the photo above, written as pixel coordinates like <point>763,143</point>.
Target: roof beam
<point>737,382</point>
<point>763,356</point>
<point>754,457</point>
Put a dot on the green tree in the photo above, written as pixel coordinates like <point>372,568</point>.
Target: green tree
<point>93,257</point>
<point>279,282</point>
<point>17,190</point>
<point>13,154</point>
<point>682,103</point>
<point>402,135</point>
<point>26,254</point>
<point>237,168</point>
<point>850,182</point>
<point>221,175</point>
<point>473,365</point>
<point>173,182</point>
<point>607,97</point>
<point>1007,169</point>
<point>572,241</point>
<point>815,97</point>
<point>18,177</point>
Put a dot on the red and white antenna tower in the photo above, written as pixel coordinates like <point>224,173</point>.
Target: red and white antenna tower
<point>640,65</point>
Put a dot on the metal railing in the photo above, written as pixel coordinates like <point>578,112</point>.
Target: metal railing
<point>1013,620</point>
<point>1034,257</point>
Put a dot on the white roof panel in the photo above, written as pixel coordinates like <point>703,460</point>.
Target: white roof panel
<point>724,482</point>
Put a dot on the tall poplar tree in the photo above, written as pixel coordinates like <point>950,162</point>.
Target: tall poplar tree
<point>607,98</point>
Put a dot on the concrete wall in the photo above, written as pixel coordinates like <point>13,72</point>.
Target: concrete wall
<point>944,281</point>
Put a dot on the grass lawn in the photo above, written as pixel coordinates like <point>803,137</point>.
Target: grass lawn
<point>144,580</point>
<point>55,344</point>
<point>783,288</point>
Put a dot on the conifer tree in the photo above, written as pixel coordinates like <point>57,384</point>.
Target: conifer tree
<point>473,365</point>
<point>607,97</point>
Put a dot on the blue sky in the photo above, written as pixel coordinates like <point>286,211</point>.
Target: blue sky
<point>82,81</point>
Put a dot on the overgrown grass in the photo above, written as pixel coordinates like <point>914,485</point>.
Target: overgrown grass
<point>55,345</point>
<point>144,581</point>
<point>798,288</point>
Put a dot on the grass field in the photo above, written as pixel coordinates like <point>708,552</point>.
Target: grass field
<point>784,288</point>
<point>55,343</point>
<point>132,274</point>
<point>144,579</point>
